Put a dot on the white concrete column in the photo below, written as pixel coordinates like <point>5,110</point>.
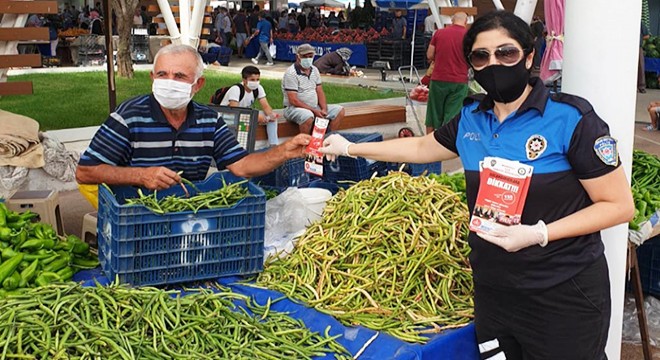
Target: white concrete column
<point>607,77</point>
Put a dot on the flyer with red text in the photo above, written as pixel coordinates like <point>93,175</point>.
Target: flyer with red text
<point>502,193</point>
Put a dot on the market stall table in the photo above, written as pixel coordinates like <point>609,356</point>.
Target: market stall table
<point>359,341</point>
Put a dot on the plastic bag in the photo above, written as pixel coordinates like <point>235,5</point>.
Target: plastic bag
<point>285,220</point>
<point>630,331</point>
<point>273,50</point>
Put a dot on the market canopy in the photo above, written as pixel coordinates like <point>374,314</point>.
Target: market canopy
<point>325,3</point>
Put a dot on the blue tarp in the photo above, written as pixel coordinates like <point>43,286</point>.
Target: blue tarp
<point>458,344</point>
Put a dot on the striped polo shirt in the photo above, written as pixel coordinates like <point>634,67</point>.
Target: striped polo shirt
<point>137,134</point>
<point>295,80</point>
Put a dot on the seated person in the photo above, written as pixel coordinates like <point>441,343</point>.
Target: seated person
<point>252,88</point>
<point>335,63</point>
<point>654,112</point>
<point>154,140</point>
<point>303,94</point>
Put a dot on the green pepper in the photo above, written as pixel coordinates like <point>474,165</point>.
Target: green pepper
<point>85,263</point>
<point>28,273</point>
<point>36,244</point>
<point>27,216</point>
<point>9,266</point>
<point>18,238</point>
<point>3,214</point>
<point>65,273</point>
<point>5,233</point>
<point>4,244</point>
<point>11,282</point>
<point>49,259</point>
<point>46,278</point>
<point>80,248</point>
<point>8,253</point>
<point>56,265</point>
<point>16,225</point>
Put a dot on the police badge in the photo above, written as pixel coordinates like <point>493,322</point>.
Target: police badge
<point>605,148</point>
<point>535,146</point>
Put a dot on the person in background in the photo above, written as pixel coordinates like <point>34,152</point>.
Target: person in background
<point>242,29</point>
<point>264,33</point>
<point>641,74</point>
<point>137,19</point>
<point>304,99</point>
<point>449,80</point>
<point>222,22</point>
<point>302,21</point>
<point>429,25</point>
<point>538,31</point>
<point>314,19</point>
<point>335,62</point>
<point>96,24</point>
<point>654,113</point>
<point>399,26</point>
<point>253,19</point>
<point>541,288</point>
<point>160,138</point>
<point>342,20</point>
<point>292,23</point>
<point>252,91</point>
<point>333,21</point>
<point>283,22</point>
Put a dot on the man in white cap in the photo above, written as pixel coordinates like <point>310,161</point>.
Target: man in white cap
<point>304,99</point>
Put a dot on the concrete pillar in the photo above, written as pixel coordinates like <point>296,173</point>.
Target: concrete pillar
<point>606,75</point>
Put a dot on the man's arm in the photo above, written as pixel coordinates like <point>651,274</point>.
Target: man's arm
<point>264,162</point>
<point>323,104</point>
<point>153,178</point>
<point>430,53</point>
<point>405,28</point>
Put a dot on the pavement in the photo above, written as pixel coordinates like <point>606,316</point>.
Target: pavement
<point>74,206</point>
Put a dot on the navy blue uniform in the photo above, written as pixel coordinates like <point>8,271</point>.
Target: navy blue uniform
<point>565,141</point>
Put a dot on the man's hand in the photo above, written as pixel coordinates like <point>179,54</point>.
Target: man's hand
<point>318,113</point>
<point>517,237</point>
<point>158,178</point>
<point>324,113</point>
<point>335,145</point>
<point>295,148</point>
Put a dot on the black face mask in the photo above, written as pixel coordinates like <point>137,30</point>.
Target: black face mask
<point>503,83</point>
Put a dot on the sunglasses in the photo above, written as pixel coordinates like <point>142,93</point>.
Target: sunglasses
<point>507,55</point>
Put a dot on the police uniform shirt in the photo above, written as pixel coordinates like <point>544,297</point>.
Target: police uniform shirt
<point>565,141</point>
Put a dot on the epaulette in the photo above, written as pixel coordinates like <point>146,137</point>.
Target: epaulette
<point>575,101</point>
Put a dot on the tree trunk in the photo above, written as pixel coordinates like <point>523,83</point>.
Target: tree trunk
<point>124,10</point>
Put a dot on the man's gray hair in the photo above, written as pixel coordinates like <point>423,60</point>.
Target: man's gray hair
<point>182,49</point>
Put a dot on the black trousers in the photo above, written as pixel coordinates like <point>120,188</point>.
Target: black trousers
<point>569,321</point>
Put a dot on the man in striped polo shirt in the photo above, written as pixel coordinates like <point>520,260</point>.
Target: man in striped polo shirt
<point>150,138</point>
<point>303,94</point>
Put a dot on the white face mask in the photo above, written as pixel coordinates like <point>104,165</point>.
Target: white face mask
<point>172,94</point>
<point>253,85</point>
<point>306,62</point>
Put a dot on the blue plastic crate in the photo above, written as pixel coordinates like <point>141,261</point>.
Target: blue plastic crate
<point>291,173</point>
<point>345,168</point>
<point>648,258</point>
<point>144,248</point>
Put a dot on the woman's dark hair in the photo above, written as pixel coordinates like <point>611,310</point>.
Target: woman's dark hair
<point>249,71</point>
<point>516,28</point>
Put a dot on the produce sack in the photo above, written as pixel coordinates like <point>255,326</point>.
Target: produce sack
<point>19,141</point>
<point>273,50</point>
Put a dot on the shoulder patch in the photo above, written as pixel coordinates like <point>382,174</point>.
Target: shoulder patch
<point>575,101</point>
<point>606,150</point>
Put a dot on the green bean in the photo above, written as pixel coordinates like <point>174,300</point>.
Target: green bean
<point>162,325</point>
<point>389,253</point>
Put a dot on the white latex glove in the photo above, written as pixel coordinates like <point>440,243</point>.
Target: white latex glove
<point>335,145</point>
<point>516,237</point>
